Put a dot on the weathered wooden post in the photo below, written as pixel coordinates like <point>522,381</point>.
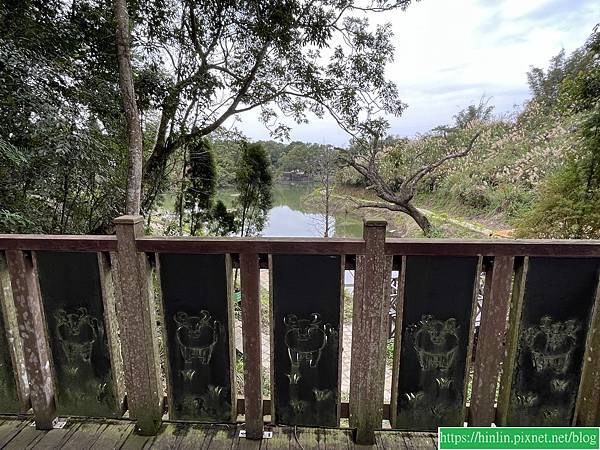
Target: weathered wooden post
<point>30,319</point>
<point>369,333</point>
<point>12,339</point>
<point>139,338</point>
<point>250,273</point>
<point>490,345</point>
<point>587,411</point>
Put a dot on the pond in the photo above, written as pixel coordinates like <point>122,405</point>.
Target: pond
<point>292,215</point>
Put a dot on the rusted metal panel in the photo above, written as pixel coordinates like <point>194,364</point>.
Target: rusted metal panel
<point>438,313</point>
<point>139,335</point>
<point>544,360</point>
<point>369,333</point>
<point>490,344</point>
<point>251,319</point>
<point>199,336</point>
<point>30,319</point>
<point>74,311</point>
<point>306,324</point>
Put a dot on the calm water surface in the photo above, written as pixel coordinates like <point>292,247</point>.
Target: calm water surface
<point>292,215</point>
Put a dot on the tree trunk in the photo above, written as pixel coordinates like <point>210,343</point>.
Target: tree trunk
<point>134,127</point>
<point>419,218</point>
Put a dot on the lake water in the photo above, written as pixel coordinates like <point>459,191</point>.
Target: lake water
<point>293,216</point>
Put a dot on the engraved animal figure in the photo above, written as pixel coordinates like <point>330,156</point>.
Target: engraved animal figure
<point>436,342</point>
<point>551,343</point>
<point>77,331</point>
<point>196,336</point>
<point>305,339</point>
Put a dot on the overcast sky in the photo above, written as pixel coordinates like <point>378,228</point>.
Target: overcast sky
<point>451,52</point>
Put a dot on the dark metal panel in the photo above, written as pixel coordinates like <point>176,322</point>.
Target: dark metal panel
<point>199,341</point>
<point>72,297</point>
<point>306,292</point>
<point>556,306</point>
<point>436,323</point>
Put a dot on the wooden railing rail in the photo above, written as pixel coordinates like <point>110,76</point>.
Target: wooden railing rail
<point>467,312</point>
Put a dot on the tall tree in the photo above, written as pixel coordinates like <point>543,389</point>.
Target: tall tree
<point>254,182</point>
<point>201,185</point>
<point>221,59</point>
<point>134,127</point>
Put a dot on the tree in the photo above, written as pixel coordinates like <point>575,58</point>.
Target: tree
<point>134,128</point>
<point>253,181</point>
<point>325,165</point>
<point>397,192</point>
<point>231,57</point>
<point>200,185</point>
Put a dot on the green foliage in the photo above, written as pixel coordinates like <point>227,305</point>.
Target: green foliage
<point>567,205</point>
<point>253,181</point>
<point>223,222</point>
<point>200,184</point>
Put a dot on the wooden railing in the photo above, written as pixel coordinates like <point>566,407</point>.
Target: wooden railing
<point>89,325</point>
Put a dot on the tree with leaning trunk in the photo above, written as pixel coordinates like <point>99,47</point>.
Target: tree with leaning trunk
<point>369,151</point>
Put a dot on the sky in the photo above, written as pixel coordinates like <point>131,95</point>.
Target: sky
<point>450,53</point>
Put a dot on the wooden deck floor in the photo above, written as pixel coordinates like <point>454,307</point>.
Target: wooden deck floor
<point>103,434</point>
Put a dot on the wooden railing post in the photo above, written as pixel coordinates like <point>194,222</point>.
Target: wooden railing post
<point>139,339</point>
<point>587,411</point>
<point>250,284</point>
<point>11,328</point>
<point>30,319</point>
<point>490,345</point>
<point>369,333</point>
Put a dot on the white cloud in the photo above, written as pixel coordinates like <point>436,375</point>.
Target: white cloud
<point>450,53</point>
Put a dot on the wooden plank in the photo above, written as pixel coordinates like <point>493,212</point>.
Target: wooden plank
<point>437,332</point>
<point>490,345</point>
<point>369,334</point>
<point>391,440</point>
<point>113,436</point>
<point>306,322</point>
<point>587,411</point>
<point>57,437</point>
<point>26,438</point>
<point>280,440</point>
<point>309,438</point>
<point>85,436</point>
<point>251,319</point>
<point>418,440</point>
<point>11,428</point>
<point>139,337</point>
<point>491,247</point>
<point>548,342</point>
<point>73,306</point>
<point>332,439</point>
<point>14,388</point>
<point>75,243</point>
<point>269,245</point>
<point>220,437</point>
<point>136,441</point>
<point>198,330</point>
<point>30,319</point>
